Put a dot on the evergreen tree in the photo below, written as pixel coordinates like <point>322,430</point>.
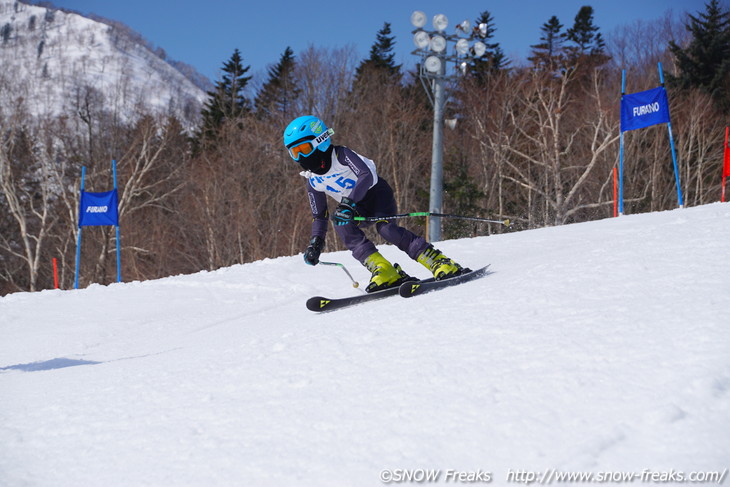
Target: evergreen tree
<point>226,101</point>
<point>705,62</point>
<point>588,44</point>
<point>548,53</point>
<point>5,32</point>
<point>277,95</point>
<point>382,58</point>
<point>493,60</point>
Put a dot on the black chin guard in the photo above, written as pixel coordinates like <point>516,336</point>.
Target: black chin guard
<point>318,162</point>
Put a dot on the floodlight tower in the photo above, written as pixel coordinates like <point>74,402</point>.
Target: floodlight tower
<point>442,58</point>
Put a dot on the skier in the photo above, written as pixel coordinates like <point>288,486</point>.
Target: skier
<point>352,180</point>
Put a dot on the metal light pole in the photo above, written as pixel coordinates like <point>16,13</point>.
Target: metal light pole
<point>435,202</point>
<point>433,48</point>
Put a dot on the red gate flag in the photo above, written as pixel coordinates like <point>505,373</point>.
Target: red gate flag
<point>726,167</point>
<point>726,163</point>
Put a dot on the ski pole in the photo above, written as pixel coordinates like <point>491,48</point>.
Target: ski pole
<point>342,266</point>
<point>427,213</point>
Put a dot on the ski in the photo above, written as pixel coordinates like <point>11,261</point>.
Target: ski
<point>320,303</point>
<point>410,289</point>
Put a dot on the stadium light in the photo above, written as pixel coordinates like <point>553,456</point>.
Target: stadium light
<point>418,19</point>
<point>443,57</point>
<point>440,22</point>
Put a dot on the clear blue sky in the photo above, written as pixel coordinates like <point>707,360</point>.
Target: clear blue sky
<point>204,33</point>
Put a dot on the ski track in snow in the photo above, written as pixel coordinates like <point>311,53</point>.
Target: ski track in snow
<point>592,347</point>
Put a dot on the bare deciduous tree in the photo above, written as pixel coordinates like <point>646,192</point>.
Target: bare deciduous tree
<point>29,192</point>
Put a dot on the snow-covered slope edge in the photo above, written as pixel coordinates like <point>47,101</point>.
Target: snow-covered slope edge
<point>56,62</point>
<point>593,347</point>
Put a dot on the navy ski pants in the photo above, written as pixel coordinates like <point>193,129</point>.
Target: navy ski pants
<point>379,201</point>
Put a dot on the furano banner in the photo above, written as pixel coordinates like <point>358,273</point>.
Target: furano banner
<point>639,110</point>
<point>643,109</point>
<point>98,209</point>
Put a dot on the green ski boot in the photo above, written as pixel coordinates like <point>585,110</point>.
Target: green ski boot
<point>440,266</point>
<point>385,275</point>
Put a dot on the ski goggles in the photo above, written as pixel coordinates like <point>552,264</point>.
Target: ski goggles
<point>306,147</point>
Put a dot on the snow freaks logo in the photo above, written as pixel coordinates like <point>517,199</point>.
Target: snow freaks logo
<point>549,476</point>
<point>422,476</point>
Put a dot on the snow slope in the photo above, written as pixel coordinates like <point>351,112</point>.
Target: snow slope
<point>601,346</point>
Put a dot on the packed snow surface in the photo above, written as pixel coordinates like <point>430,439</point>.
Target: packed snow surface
<point>594,347</point>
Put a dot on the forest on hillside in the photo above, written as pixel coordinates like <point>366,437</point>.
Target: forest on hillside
<point>535,141</point>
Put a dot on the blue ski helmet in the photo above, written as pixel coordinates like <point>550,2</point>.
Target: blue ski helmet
<point>305,134</point>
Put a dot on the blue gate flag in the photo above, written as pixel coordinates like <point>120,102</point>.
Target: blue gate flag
<point>99,209</point>
<point>644,109</point>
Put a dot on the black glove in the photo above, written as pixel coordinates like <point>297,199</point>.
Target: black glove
<point>311,255</point>
<point>345,212</point>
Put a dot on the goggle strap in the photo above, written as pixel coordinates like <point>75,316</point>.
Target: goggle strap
<point>326,135</point>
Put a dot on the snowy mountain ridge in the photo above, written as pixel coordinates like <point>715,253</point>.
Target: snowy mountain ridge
<point>600,347</point>
<point>55,62</point>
